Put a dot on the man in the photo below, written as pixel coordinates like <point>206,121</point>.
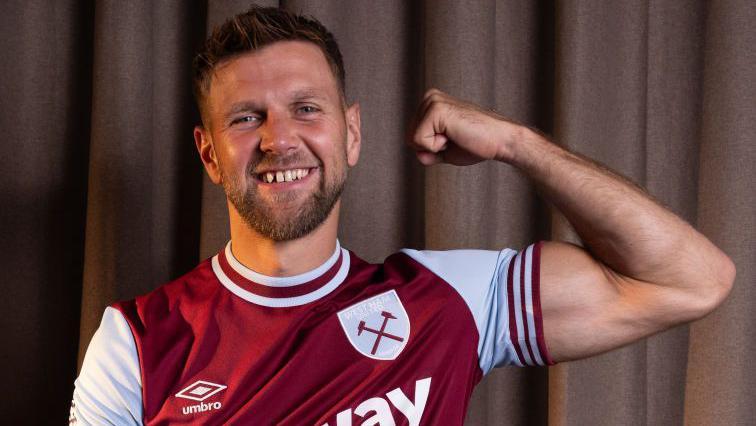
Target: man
<point>284,326</point>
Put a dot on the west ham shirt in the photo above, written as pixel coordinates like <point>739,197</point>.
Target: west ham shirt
<point>348,343</point>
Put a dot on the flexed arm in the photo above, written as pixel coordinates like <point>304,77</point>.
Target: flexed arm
<point>644,270</point>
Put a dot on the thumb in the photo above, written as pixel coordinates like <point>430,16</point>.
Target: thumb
<point>429,158</point>
<point>431,151</point>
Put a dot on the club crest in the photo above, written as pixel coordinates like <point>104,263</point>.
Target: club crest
<point>377,327</point>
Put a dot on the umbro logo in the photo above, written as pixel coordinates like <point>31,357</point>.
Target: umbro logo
<point>200,391</point>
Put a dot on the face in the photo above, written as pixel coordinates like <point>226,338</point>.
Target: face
<point>279,139</point>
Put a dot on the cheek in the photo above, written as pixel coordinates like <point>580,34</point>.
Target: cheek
<point>327,142</point>
<point>327,146</point>
<point>237,155</point>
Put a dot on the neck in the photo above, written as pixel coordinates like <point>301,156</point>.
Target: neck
<point>283,258</point>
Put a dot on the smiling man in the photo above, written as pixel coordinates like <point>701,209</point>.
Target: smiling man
<point>284,326</point>
<point>279,138</point>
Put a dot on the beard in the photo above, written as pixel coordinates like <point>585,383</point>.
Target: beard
<point>277,224</point>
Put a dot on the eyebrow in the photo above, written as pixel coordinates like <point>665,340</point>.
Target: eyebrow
<point>243,106</point>
<point>307,94</point>
<point>298,95</point>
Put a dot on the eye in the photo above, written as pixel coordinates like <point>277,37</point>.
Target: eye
<point>308,109</point>
<point>246,119</point>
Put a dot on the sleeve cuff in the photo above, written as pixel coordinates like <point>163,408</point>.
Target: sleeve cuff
<point>524,300</point>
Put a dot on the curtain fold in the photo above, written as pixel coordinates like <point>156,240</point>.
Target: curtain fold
<point>142,196</point>
<point>104,197</point>
<point>45,101</point>
<point>721,385</point>
<point>600,102</point>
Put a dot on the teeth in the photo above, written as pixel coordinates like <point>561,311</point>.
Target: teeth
<point>284,176</point>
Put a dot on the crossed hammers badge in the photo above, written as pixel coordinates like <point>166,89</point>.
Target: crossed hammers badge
<point>379,333</point>
<point>377,327</point>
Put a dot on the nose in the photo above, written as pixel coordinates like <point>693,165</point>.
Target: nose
<point>278,135</point>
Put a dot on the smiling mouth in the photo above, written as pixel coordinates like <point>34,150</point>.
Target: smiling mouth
<point>280,176</point>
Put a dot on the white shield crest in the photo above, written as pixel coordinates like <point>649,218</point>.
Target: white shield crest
<point>377,327</point>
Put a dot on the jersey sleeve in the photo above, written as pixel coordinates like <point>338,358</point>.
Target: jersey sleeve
<point>109,387</point>
<point>501,289</point>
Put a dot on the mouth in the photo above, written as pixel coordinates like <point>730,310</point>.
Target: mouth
<point>282,176</point>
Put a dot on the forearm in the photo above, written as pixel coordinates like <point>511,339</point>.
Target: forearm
<point>619,223</point>
<point>644,269</point>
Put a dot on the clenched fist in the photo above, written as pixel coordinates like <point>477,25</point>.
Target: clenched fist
<point>452,131</point>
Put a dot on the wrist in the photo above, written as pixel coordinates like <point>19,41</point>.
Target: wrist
<point>513,140</point>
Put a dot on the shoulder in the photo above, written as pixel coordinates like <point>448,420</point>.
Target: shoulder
<point>501,290</point>
<point>192,287</point>
<point>458,266</point>
<point>472,274</point>
<point>109,387</point>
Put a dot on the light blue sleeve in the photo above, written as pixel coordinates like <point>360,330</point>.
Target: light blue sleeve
<point>501,290</point>
<point>109,387</point>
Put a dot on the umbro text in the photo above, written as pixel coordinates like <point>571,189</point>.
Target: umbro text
<point>201,407</point>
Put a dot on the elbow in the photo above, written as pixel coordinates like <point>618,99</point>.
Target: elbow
<point>726,279</point>
<point>718,287</point>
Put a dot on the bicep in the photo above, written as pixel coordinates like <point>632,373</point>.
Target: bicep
<point>588,308</point>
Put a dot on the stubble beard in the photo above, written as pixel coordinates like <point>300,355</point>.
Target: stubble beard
<point>261,215</point>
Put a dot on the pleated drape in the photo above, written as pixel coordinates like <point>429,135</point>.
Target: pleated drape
<point>104,198</point>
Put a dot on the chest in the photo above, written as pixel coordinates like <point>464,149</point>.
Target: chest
<point>384,352</point>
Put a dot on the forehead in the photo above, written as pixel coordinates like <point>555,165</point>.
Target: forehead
<point>272,73</point>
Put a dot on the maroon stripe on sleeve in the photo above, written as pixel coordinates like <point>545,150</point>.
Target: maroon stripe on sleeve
<point>524,310</point>
<point>512,320</point>
<point>271,291</point>
<point>536,290</point>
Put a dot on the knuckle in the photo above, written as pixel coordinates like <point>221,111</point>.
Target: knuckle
<point>417,137</point>
<point>436,108</point>
<point>433,94</point>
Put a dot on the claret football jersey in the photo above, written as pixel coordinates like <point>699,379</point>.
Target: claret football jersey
<point>403,342</point>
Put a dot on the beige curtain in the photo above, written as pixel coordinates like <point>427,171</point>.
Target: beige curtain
<point>104,197</point>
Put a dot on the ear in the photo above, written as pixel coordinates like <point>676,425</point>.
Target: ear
<point>204,142</point>
<point>354,137</point>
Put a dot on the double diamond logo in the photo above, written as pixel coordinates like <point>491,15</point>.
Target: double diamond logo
<point>200,390</point>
